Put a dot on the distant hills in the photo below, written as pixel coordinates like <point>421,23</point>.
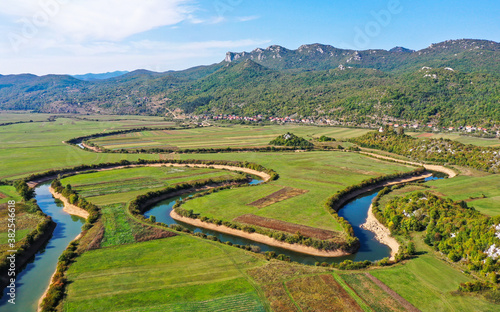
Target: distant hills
<point>450,83</point>
<point>92,77</point>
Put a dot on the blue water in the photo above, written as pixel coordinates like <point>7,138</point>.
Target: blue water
<point>32,282</point>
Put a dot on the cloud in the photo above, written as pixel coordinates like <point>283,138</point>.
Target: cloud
<point>113,20</point>
<point>247,18</point>
<point>74,58</point>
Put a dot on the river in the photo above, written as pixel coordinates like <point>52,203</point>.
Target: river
<point>34,279</point>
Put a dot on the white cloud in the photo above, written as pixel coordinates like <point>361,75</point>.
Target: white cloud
<point>113,20</point>
<point>247,18</point>
<point>77,58</point>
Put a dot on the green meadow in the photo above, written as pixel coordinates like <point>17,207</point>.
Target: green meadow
<point>219,136</point>
<point>430,284</point>
<point>321,174</point>
<point>186,273</point>
<point>173,274</point>
<point>35,147</point>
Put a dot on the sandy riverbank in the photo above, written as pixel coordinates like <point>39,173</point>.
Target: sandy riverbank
<point>69,208</point>
<point>382,234</point>
<point>437,168</point>
<point>50,283</point>
<point>266,177</point>
<point>260,238</point>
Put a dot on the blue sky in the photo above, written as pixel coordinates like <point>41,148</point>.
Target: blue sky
<point>80,36</point>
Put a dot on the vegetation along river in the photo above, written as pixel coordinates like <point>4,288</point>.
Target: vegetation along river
<point>35,278</point>
<point>32,282</point>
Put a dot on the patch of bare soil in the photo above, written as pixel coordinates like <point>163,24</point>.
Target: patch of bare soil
<point>288,227</point>
<point>284,193</point>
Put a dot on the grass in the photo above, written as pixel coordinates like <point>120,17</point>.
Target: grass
<point>213,137</point>
<point>320,173</point>
<point>122,185</point>
<point>8,193</point>
<point>117,226</point>
<point>428,283</point>
<point>36,147</point>
<point>149,275</point>
<point>113,189</point>
<point>374,296</point>
<point>320,293</point>
<point>25,223</point>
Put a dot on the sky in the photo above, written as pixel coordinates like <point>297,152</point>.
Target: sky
<point>83,36</point>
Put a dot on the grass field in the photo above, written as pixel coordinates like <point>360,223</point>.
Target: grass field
<point>213,137</point>
<point>428,283</point>
<point>321,174</point>
<point>113,189</point>
<point>123,185</point>
<point>374,296</point>
<point>26,222</point>
<point>173,274</point>
<point>184,273</point>
<point>36,147</point>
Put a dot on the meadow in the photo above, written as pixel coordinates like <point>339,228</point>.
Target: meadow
<point>35,147</point>
<point>219,136</point>
<point>174,274</point>
<point>319,174</point>
<point>430,284</point>
<point>178,272</point>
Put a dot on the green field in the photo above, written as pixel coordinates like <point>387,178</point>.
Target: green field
<point>429,284</point>
<point>321,174</point>
<point>36,147</point>
<point>219,137</point>
<point>122,185</point>
<point>173,274</point>
<point>185,273</point>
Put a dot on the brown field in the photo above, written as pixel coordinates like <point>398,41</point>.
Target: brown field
<point>288,227</point>
<point>320,293</point>
<point>284,193</point>
<point>371,293</point>
<point>278,298</point>
<point>2,195</point>
<point>425,135</point>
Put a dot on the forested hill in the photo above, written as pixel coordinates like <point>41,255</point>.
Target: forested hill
<point>452,83</point>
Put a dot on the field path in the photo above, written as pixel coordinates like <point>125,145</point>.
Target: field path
<point>393,294</point>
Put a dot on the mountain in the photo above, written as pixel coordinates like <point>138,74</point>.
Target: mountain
<point>93,77</point>
<point>454,82</point>
<point>465,55</point>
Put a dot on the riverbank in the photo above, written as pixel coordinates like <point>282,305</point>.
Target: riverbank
<point>69,208</point>
<point>50,283</point>
<point>438,168</point>
<point>350,196</point>
<point>382,234</point>
<point>260,238</point>
<point>266,177</point>
<point>23,258</point>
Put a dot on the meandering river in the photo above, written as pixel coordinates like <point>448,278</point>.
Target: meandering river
<point>35,278</point>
